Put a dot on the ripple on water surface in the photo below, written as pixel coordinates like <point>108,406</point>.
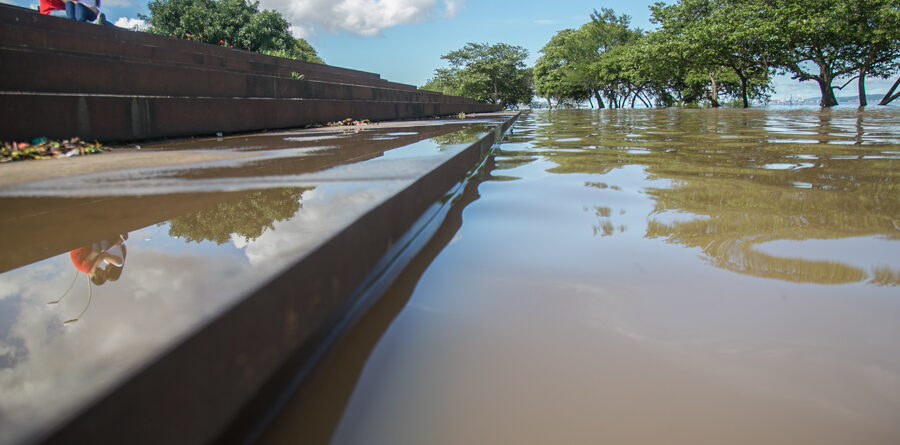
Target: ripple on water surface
<point>103,272</point>
<point>678,278</point>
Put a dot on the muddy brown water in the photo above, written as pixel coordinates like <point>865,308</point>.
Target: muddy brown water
<point>185,230</point>
<point>642,276</point>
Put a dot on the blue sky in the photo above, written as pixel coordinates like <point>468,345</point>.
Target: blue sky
<point>403,39</point>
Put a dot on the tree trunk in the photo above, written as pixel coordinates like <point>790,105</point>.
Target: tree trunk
<point>713,94</point>
<point>641,97</point>
<point>828,99</point>
<point>890,96</point>
<point>744,95</point>
<point>863,101</point>
<point>600,103</point>
<point>549,104</point>
<point>862,90</point>
<point>824,80</point>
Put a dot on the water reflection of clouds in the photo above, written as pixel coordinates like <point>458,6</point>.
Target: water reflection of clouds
<point>160,296</point>
<point>325,208</point>
<point>168,287</point>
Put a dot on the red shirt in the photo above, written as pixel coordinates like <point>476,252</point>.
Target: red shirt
<point>79,256</point>
<point>48,5</point>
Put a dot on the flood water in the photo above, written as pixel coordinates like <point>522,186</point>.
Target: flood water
<point>104,271</point>
<point>642,276</point>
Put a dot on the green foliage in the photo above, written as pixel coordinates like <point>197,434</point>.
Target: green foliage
<point>716,51</point>
<point>237,23</point>
<point>445,81</point>
<point>599,57</point>
<point>489,73</point>
<point>301,50</point>
<point>824,40</point>
<point>720,44</point>
<point>554,78</point>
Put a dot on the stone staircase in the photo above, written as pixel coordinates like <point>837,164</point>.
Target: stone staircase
<point>63,78</point>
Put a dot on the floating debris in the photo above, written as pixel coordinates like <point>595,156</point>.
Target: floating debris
<point>348,122</point>
<point>43,148</point>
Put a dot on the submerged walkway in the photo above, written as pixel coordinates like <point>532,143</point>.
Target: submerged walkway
<point>230,264</point>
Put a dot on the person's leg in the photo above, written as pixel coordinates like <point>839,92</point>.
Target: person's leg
<point>84,14</point>
<point>70,9</point>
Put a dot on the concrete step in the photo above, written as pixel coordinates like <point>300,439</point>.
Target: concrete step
<point>209,362</point>
<point>124,118</point>
<point>25,29</point>
<point>64,78</point>
<point>97,75</point>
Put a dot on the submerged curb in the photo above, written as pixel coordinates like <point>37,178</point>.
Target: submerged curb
<point>216,383</point>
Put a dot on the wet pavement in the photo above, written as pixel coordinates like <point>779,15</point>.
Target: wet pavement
<point>642,276</point>
<point>111,260</point>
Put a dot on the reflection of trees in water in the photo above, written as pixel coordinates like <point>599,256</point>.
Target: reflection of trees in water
<point>884,276</point>
<point>465,136</point>
<point>605,225</point>
<point>737,212</point>
<point>742,191</point>
<point>248,216</point>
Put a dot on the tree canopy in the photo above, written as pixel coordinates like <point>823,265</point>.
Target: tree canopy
<point>489,73</point>
<point>713,51</point>
<point>237,23</point>
<point>554,77</point>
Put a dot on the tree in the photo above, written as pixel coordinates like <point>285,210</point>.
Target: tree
<point>554,78</point>
<point>604,32</point>
<point>445,81</point>
<point>818,42</point>
<point>237,23</point>
<point>890,96</point>
<point>877,24</point>
<point>715,38</point>
<point>488,73</point>
<point>301,50</point>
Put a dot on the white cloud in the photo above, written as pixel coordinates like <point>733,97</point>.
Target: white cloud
<point>325,210</point>
<point>364,17</point>
<point>453,7</point>
<point>129,23</point>
<point>121,4</point>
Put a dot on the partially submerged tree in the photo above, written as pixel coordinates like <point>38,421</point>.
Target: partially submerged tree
<point>575,62</point>
<point>603,33</point>
<point>237,23</point>
<point>890,96</point>
<point>488,73</point>
<point>713,50</point>
<point>721,40</point>
<point>818,42</point>
<point>877,27</point>
<point>554,78</point>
